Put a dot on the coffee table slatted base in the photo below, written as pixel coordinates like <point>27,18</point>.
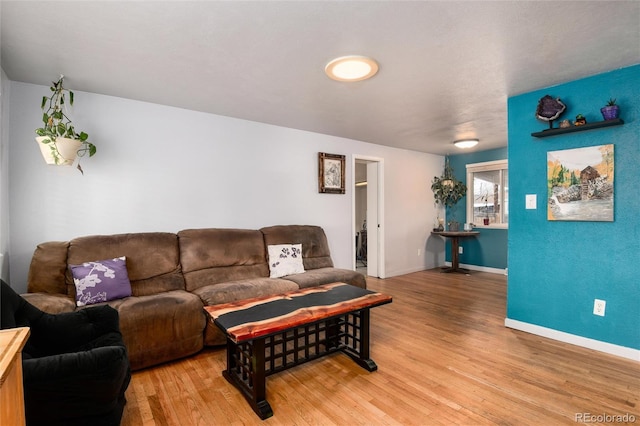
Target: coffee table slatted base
<point>250,362</point>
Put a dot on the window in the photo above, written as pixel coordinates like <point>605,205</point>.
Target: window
<point>488,194</point>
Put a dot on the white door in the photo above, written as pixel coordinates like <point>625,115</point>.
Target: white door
<point>373,223</point>
<point>374,212</point>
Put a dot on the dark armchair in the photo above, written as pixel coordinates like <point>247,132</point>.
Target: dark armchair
<point>75,365</point>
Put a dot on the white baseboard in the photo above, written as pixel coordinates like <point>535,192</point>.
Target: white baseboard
<point>621,351</point>
<point>462,265</point>
<point>404,271</point>
<point>481,268</point>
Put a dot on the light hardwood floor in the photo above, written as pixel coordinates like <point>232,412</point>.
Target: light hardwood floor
<point>444,357</point>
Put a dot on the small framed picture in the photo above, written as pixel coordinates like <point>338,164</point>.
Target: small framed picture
<point>330,173</point>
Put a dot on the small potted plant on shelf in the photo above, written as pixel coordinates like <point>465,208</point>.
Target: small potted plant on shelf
<point>484,198</point>
<point>581,120</point>
<point>447,190</point>
<point>58,140</point>
<point>611,111</point>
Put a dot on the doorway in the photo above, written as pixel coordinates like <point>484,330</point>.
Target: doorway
<point>368,214</point>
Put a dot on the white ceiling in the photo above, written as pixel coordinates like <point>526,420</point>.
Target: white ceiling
<point>446,68</point>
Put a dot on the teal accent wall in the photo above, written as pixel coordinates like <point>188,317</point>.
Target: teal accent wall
<point>558,268</point>
<point>489,249</point>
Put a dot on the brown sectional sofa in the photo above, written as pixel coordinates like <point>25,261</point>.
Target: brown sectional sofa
<point>173,276</point>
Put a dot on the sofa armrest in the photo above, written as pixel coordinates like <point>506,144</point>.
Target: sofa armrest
<point>69,331</point>
<point>95,364</point>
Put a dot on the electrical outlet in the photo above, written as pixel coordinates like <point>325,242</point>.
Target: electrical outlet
<point>460,250</point>
<point>419,252</point>
<point>598,307</point>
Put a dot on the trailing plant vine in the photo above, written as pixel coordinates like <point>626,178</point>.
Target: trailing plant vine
<point>58,124</point>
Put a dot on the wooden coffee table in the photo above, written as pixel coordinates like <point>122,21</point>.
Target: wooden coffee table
<point>266,335</point>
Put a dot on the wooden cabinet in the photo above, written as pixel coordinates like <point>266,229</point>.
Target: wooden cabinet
<point>11,390</point>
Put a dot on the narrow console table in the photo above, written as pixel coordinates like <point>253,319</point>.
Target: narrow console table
<point>455,243</point>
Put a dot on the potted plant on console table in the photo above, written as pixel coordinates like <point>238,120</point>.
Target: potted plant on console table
<point>447,190</point>
<point>58,140</point>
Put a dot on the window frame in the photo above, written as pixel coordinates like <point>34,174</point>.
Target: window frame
<point>502,166</point>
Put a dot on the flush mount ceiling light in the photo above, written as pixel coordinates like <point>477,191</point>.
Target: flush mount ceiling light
<point>466,143</point>
<point>351,68</point>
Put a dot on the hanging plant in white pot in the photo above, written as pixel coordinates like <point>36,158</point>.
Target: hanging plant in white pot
<point>447,190</point>
<point>58,140</point>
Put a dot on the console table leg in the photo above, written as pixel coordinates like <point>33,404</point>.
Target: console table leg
<point>454,253</point>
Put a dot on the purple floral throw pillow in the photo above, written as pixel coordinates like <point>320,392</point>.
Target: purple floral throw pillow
<point>101,281</point>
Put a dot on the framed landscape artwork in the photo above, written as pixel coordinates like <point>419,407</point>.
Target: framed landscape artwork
<point>330,173</point>
<point>580,184</point>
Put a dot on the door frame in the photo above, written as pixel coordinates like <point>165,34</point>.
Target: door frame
<point>370,227</point>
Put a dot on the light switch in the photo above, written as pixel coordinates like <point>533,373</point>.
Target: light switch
<point>530,201</point>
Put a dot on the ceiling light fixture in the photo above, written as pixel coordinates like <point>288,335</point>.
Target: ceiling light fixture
<point>351,68</point>
<point>466,143</point>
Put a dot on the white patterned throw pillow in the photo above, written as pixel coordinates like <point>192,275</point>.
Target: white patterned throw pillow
<point>285,259</point>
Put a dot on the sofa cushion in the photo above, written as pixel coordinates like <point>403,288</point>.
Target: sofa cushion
<point>211,256</point>
<point>316,277</point>
<point>285,259</point>
<point>161,327</point>
<point>315,248</point>
<point>101,281</point>
<point>51,303</point>
<point>153,261</point>
<point>244,289</point>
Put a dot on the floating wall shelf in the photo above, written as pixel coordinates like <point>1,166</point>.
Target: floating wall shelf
<point>588,126</point>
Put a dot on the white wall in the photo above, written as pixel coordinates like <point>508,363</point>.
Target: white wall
<point>160,168</point>
<point>4,175</point>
